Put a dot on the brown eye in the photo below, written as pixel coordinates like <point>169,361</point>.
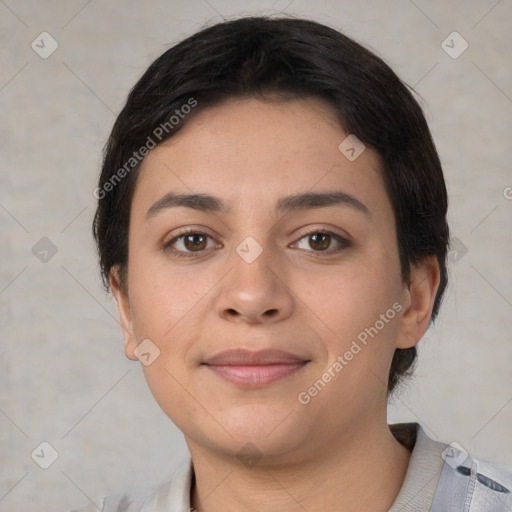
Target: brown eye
<point>320,241</point>
<point>323,242</point>
<point>190,244</point>
<point>195,242</point>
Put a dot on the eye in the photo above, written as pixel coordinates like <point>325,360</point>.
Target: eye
<point>188,243</point>
<point>321,241</point>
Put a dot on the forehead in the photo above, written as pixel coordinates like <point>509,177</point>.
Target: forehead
<point>261,150</point>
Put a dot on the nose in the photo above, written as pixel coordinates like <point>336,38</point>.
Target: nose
<point>255,292</point>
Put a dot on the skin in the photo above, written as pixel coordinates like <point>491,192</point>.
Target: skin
<point>336,452</point>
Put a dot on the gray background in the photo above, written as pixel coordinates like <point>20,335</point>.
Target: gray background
<point>64,377</point>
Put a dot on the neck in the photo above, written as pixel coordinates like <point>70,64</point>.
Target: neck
<point>362,472</point>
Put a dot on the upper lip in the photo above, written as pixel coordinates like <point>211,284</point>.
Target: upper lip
<point>242,357</point>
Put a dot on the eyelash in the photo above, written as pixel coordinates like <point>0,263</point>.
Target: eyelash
<point>183,254</point>
<point>344,243</point>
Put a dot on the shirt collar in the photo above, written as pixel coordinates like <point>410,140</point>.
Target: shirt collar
<point>425,459</point>
<point>175,495</point>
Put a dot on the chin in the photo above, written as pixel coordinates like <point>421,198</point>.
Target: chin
<point>250,434</point>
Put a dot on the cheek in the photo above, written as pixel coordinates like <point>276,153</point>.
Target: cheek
<point>354,299</point>
<point>359,306</point>
<point>168,387</point>
<point>163,298</point>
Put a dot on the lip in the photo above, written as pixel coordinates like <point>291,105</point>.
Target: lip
<point>243,357</point>
<point>254,369</point>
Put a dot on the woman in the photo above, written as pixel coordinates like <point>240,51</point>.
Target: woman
<point>272,223</point>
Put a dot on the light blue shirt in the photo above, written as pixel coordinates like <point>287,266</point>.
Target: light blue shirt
<point>439,478</point>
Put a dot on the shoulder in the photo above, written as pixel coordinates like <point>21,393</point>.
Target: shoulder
<point>476,484</point>
<point>459,482</point>
<point>125,502</point>
<point>173,495</point>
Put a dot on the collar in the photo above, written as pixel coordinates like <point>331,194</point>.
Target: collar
<point>418,488</point>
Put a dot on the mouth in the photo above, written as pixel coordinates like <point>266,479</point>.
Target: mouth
<point>254,369</point>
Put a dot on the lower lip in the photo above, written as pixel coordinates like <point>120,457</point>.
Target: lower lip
<point>255,375</point>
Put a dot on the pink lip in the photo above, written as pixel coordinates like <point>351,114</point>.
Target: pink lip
<point>254,369</point>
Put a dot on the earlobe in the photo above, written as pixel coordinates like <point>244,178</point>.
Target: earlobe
<point>419,295</point>
<point>125,314</point>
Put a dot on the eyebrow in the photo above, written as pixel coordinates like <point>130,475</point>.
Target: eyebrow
<point>295,202</point>
<point>203,202</point>
<point>310,200</point>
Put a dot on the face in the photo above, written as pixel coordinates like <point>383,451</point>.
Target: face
<point>273,300</point>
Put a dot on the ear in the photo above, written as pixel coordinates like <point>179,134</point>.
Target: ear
<point>418,301</point>
<point>125,313</point>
